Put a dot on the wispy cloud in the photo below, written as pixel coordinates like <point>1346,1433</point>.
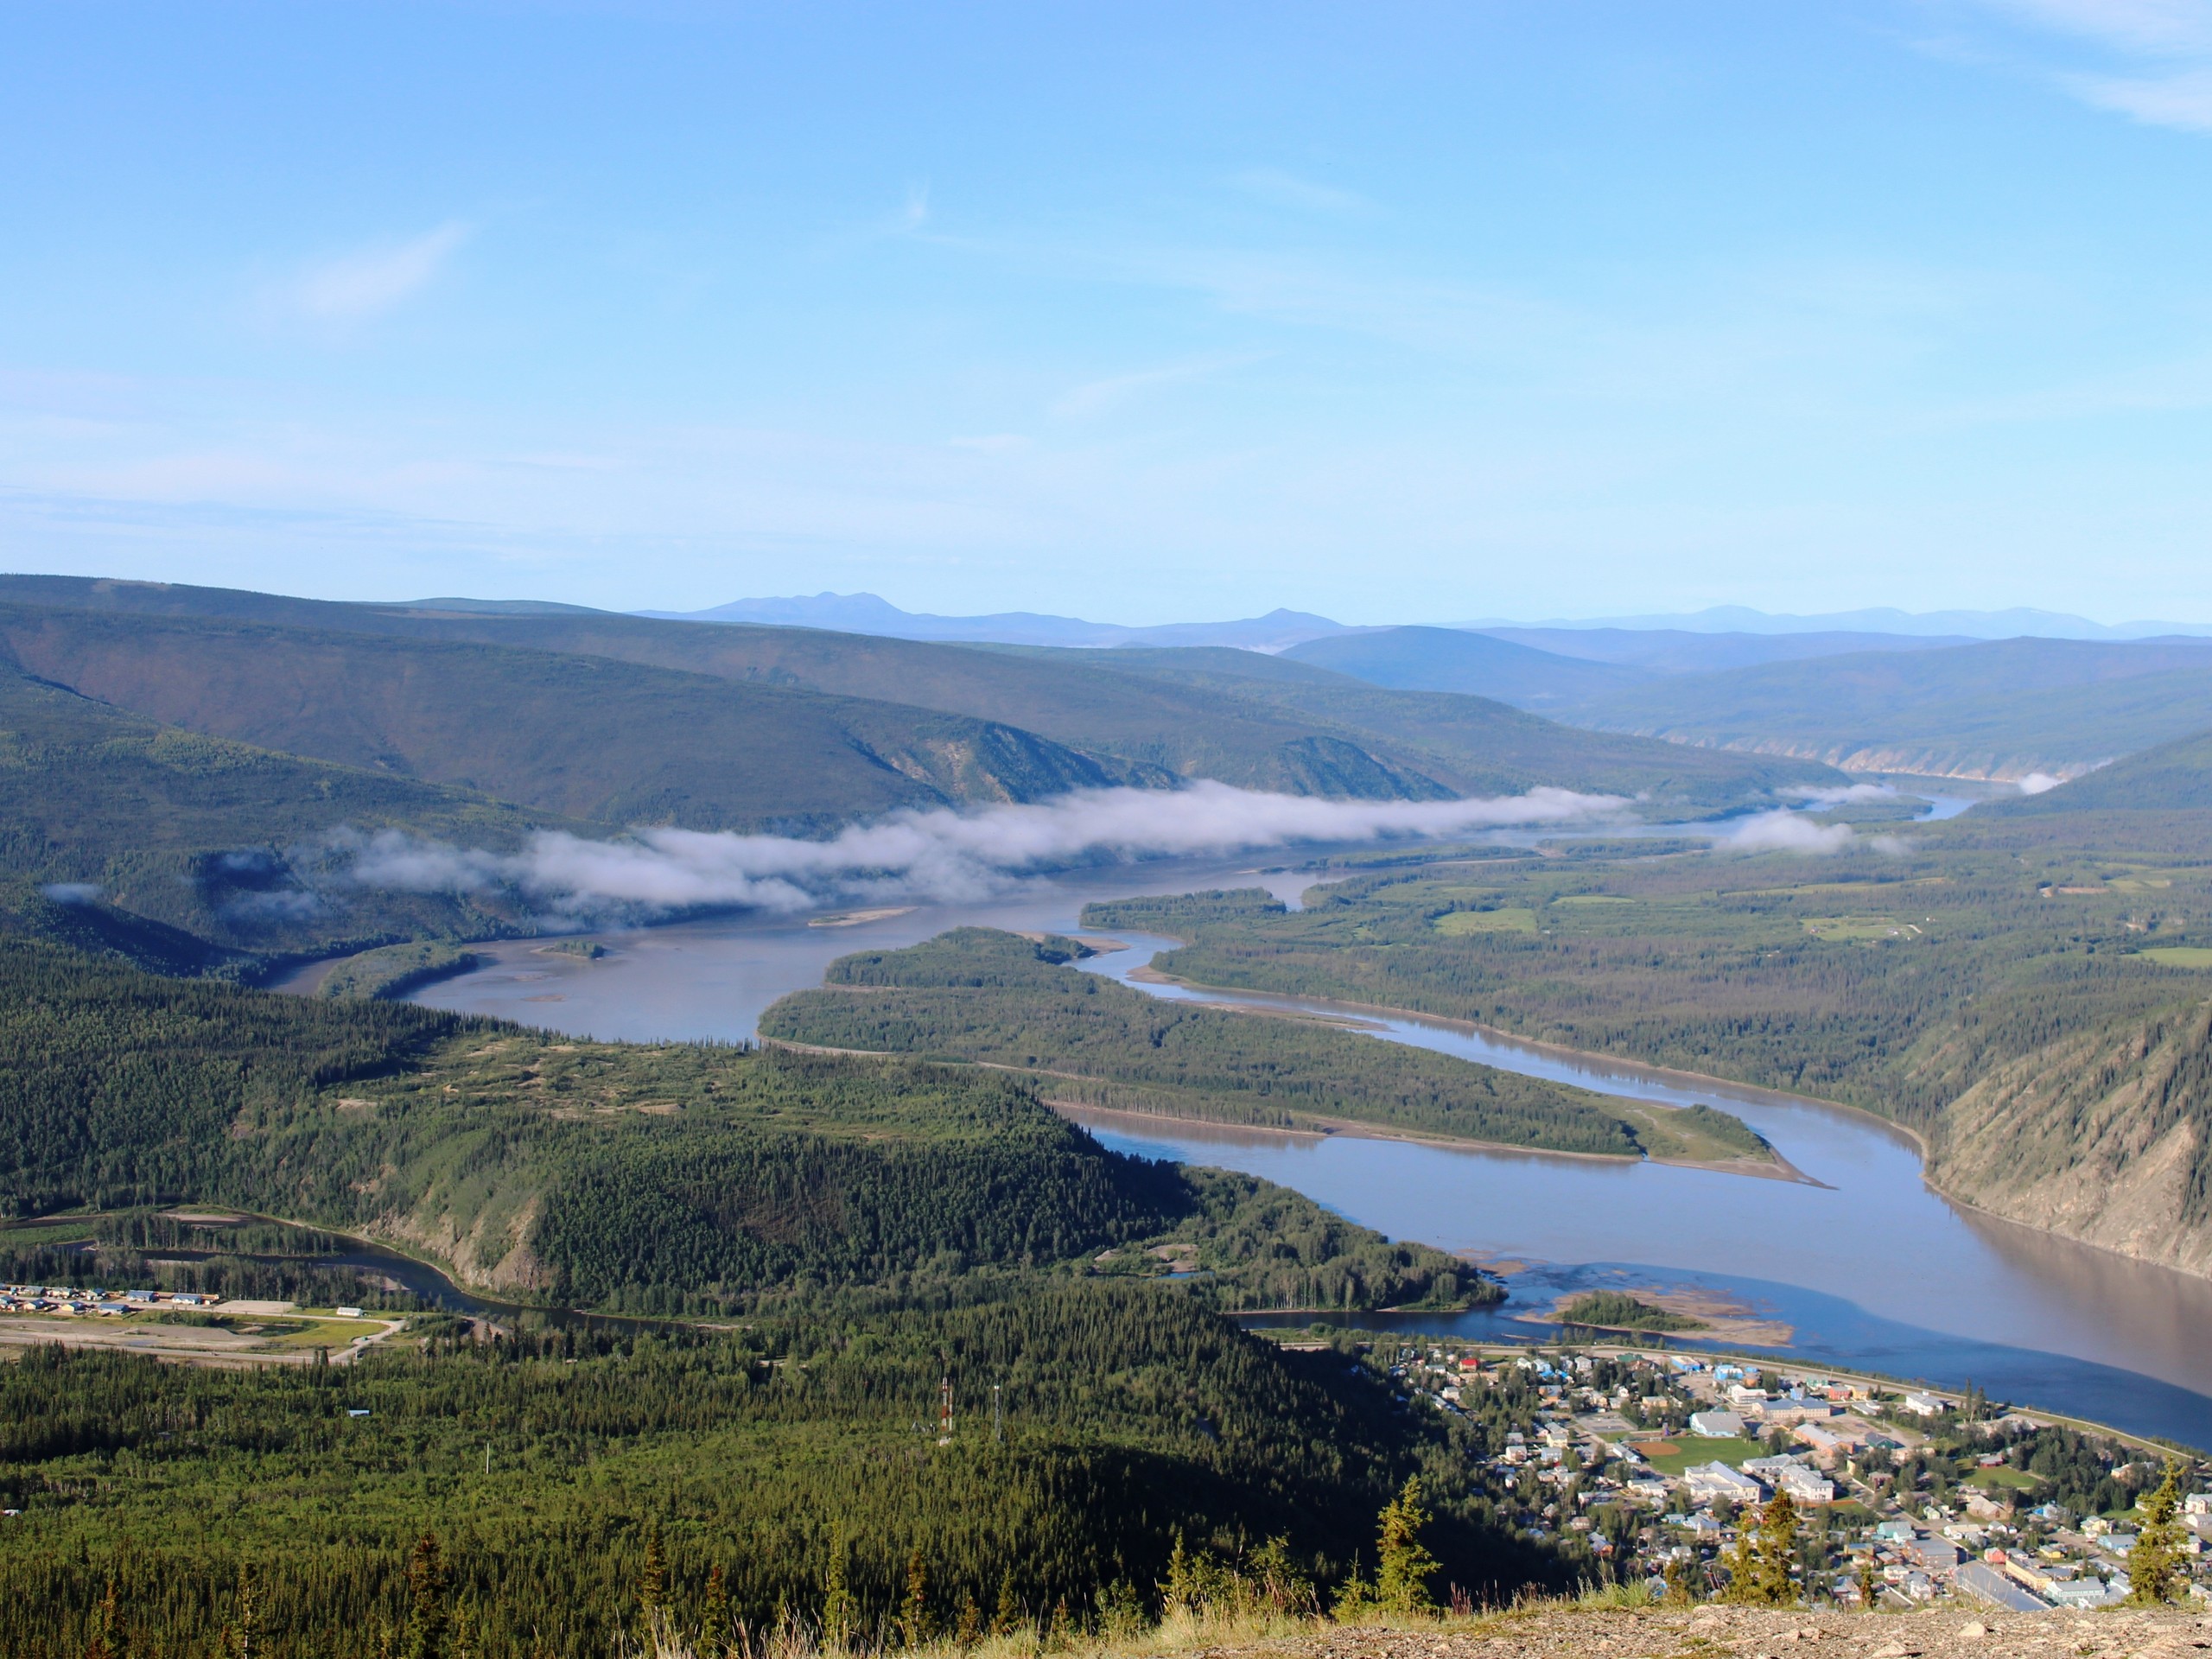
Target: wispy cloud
<point>2157,52</point>
<point>1097,396</point>
<point>369,282</point>
<point>1784,831</point>
<point>1281,189</point>
<point>1841,795</point>
<point>938,854</point>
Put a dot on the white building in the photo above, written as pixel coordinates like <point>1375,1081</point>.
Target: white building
<point>1717,1425</point>
<point>1717,1480</point>
<point>1806,1487</point>
<point>1924,1405</point>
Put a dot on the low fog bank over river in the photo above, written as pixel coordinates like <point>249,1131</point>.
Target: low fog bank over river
<point>1868,1268</point>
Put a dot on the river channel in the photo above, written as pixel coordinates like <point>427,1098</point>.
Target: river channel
<point>1860,1265</point>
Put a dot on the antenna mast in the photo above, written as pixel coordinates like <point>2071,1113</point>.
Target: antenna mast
<point>944,1412</point>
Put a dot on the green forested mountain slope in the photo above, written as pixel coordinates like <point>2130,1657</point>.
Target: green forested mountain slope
<point>1474,745</point>
<point>2000,708</point>
<point>975,993</point>
<point>187,830</point>
<point>550,1466</point>
<point>1193,713</point>
<point>2174,777</point>
<point>587,738</point>
<point>599,1174</point>
<point>1474,739</point>
<point>1477,665</point>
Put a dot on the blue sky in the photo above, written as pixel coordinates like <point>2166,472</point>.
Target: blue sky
<point>1395,312</point>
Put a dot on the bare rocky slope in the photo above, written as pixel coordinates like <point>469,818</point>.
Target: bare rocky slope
<point>2101,1137</point>
<point>1545,1631</point>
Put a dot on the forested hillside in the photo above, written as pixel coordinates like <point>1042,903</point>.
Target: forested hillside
<point>2171,778</point>
<point>1997,708</point>
<point>655,1178</point>
<point>1477,664</point>
<point>1359,744</point>
<point>976,995</point>
<point>193,832</point>
<point>796,1458</point>
<point>587,738</point>
<point>2031,1009</point>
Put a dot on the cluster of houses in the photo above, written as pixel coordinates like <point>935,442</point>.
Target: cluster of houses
<point>1581,1441</point>
<point>49,1299</point>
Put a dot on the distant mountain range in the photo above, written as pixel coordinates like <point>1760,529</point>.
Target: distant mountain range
<point>866,613</point>
<point>1723,636</point>
<point>2016,623</point>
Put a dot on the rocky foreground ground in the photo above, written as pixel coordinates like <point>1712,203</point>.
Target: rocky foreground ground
<point>1710,1632</point>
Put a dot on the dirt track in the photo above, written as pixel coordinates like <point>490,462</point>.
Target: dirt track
<point>1955,1632</point>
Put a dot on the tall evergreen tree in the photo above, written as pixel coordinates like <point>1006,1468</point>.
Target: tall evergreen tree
<point>915,1626</point>
<point>1759,1563</point>
<point>2156,1572</point>
<point>715,1618</point>
<point>242,1636</point>
<point>840,1611</point>
<point>1007,1618</point>
<point>652,1585</point>
<point>111,1640</point>
<point>1404,1566</point>
<point>427,1615</point>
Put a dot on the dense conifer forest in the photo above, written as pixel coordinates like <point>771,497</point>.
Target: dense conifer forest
<point>976,995</point>
<point>1091,1426</point>
<point>666,1179</point>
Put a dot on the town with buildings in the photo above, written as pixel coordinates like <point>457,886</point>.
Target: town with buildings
<point>1910,1497</point>
<point>80,1301</point>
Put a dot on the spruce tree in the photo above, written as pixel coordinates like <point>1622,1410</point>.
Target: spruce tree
<point>1404,1566</point>
<point>914,1625</point>
<point>242,1636</point>
<point>652,1585</point>
<point>1759,1562</point>
<point>110,1641</point>
<point>1778,1551</point>
<point>970,1630</point>
<point>1008,1618</point>
<point>2155,1571</point>
<point>1355,1596</point>
<point>714,1618</point>
<point>426,1581</point>
<point>1179,1591</point>
<point>840,1613</point>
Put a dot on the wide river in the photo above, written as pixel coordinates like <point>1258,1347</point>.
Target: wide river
<point>1862,1264</point>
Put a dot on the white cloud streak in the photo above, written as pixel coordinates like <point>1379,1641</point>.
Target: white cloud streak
<point>370,282</point>
<point>940,854</point>
<point>1784,831</point>
<point>2166,44</point>
<point>1843,795</point>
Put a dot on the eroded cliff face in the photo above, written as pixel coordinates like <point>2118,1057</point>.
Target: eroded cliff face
<point>2105,1138</point>
<point>1915,760</point>
<point>492,1254</point>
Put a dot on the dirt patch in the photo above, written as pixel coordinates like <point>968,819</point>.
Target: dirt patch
<point>1724,1320</point>
<point>1961,1630</point>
